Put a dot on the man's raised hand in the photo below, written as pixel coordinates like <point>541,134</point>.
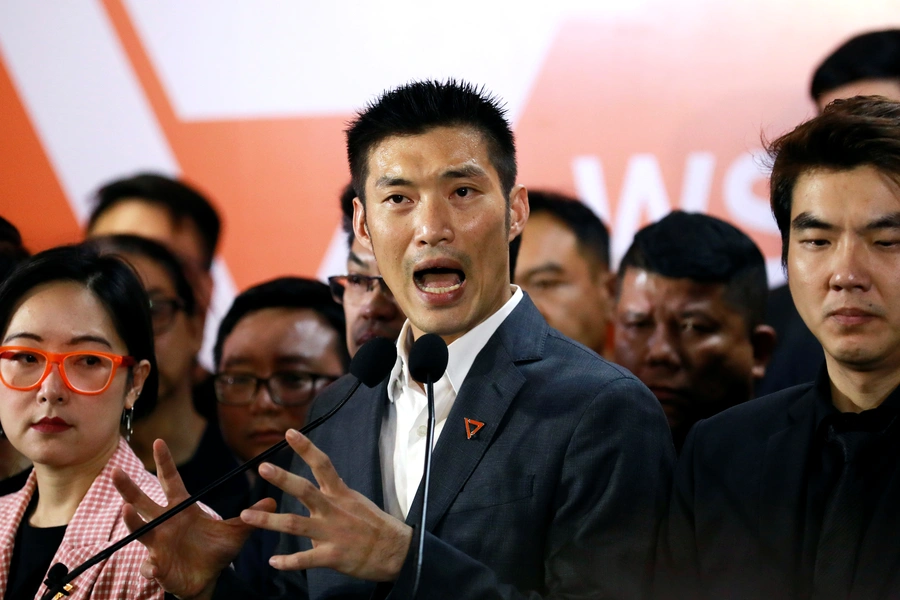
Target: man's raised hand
<point>349,533</point>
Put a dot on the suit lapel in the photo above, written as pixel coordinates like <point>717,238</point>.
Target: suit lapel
<point>485,396</point>
<point>12,511</point>
<point>91,527</point>
<point>364,470</point>
<point>783,490</point>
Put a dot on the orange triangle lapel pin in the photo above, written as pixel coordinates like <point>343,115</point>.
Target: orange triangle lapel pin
<point>472,427</point>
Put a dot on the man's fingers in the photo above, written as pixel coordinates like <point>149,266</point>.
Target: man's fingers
<point>265,505</point>
<point>318,461</point>
<point>149,570</point>
<point>282,522</point>
<point>296,562</point>
<point>298,487</point>
<point>133,495</point>
<point>167,473</point>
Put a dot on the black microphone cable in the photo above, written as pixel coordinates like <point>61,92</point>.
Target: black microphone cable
<point>427,362</point>
<point>371,364</point>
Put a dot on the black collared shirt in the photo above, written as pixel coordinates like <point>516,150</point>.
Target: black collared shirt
<point>877,434</point>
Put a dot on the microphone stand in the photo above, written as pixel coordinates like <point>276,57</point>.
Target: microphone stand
<point>426,479</point>
<point>58,581</point>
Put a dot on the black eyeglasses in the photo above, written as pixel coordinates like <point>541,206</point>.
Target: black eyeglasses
<point>162,313</point>
<point>288,388</point>
<point>354,286</point>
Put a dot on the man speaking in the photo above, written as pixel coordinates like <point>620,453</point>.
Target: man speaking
<point>551,466</point>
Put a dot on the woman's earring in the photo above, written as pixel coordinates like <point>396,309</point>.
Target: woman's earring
<point>127,417</point>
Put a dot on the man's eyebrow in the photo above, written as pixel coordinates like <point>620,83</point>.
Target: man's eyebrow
<point>889,221</point>
<point>283,359</point>
<point>391,181</point>
<point>354,258</point>
<point>235,361</point>
<point>696,312</point>
<point>541,269</point>
<point>463,172</point>
<point>290,359</point>
<point>806,220</point>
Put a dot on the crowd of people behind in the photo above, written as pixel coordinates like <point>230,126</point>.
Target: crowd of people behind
<point>566,481</point>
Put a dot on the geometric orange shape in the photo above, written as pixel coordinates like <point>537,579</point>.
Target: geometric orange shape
<point>472,427</point>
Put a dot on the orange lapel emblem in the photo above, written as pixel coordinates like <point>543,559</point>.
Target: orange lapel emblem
<point>472,427</point>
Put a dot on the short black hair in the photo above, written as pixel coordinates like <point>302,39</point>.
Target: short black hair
<point>850,133</point>
<point>123,244</point>
<point>286,292</point>
<point>872,55</point>
<point>704,249</point>
<point>420,106</point>
<point>182,201</point>
<point>347,196</point>
<point>113,283</point>
<point>12,252</point>
<point>589,230</point>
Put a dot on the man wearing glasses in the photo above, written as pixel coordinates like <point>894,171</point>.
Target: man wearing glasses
<point>278,346</point>
<point>369,306</point>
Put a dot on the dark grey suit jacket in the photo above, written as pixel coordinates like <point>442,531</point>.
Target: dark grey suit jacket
<point>737,514</point>
<point>559,495</point>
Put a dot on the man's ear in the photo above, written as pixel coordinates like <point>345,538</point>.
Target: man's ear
<point>763,339</point>
<point>518,210</point>
<point>139,374</point>
<point>360,227</point>
<point>607,281</point>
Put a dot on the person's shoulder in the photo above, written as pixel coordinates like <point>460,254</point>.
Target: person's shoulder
<point>579,380</point>
<point>754,421</point>
<point>332,395</point>
<point>566,357</point>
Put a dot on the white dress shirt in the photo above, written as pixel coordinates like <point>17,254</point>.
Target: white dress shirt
<point>402,441</point>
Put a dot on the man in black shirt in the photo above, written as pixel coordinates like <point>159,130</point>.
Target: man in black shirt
<point>795,495</point>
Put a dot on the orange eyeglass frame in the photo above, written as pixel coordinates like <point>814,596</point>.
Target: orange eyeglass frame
<point>58,358</point>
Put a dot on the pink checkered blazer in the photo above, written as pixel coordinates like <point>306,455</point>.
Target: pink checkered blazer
<point>96,524</point>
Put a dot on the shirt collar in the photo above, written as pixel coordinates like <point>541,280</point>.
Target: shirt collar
<point>875,419</point>
<point>462,352</point>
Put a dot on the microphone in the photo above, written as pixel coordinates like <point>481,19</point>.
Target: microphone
<point>371,364</point>
<point>427,362</point>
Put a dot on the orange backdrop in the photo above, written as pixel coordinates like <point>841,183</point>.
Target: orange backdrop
<point>637,107</point>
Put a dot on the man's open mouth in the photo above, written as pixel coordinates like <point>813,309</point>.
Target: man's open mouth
<point>439,280</point>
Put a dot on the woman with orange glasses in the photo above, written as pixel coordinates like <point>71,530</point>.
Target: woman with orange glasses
<point>76,362</point>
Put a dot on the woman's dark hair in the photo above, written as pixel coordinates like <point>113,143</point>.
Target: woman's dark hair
<point>123,244</point>
<point>112,281</point>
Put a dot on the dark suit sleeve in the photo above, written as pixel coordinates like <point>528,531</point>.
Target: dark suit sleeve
<point>678,571</point>
<point>610,499</point>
